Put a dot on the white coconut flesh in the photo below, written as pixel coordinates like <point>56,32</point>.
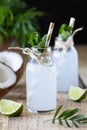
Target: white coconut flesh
<point>7,76</point>
<point>12,59</point>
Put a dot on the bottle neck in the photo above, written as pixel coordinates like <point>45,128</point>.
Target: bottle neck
<point>64,44</point>
<point>43,58</point>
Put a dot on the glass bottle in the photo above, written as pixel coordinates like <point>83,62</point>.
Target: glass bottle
<point>41,82</point>
<point>65,57</point>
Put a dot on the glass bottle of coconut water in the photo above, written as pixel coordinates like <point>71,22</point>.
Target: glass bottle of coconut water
<point>65,56</point>
<point>67,67</point>
<point>41,81</point>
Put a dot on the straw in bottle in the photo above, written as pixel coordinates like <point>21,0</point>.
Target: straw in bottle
<point>72,21</point>
<point>49,34</point>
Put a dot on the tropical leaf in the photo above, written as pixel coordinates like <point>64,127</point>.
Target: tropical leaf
<point>69,117</point>
<point>62,115</point>
<point>56,113</point>
<point>75,123</point>
<point>71,113</point>
<point>67,123</point>
<point>79,116</point>
<point>14,5</point>
<point>18,21</point>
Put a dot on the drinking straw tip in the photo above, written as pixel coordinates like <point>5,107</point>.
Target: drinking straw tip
<point>72,21</point>
<point>49,34</point>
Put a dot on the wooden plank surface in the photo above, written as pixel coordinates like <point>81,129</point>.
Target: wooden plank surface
<point>29,121</point>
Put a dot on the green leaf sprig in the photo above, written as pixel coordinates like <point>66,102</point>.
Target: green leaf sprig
<point>37,41</point>
<point>18,21</point>
<point>64,31</point>
<point>69,117</point>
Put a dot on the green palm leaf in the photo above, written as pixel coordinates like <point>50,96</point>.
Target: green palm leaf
<point>18,21</point>
<point>71,113</point>
<point>62,115</point>
<point>66,121</point>
<point>56,114</point>
<point>69,116</point>
<point>75,124</point>
<point>79,117</point>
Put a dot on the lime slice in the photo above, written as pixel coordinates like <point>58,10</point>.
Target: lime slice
<point>77,93</point>
<point>10,108</point>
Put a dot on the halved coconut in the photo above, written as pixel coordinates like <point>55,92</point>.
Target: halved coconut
<point>12,59</point>
<point>11,70</point>
<point>7,78</point>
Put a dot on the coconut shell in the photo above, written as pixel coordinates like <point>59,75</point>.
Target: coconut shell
<point>19,73</point>
<point>4,91</point>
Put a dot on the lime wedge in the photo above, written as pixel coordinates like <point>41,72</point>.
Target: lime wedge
<point>77,93</point>
<point>10,108</point>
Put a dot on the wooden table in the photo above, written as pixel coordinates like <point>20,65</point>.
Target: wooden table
<point>29,121</point>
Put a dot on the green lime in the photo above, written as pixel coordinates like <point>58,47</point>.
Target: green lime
<point>77,93</point>
<point>10,108</point>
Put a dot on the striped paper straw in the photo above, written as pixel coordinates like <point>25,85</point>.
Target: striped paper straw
<point>49,34</point>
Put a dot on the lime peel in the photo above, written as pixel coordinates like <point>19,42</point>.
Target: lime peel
<point>10,107</point>
<point>77,93</point>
